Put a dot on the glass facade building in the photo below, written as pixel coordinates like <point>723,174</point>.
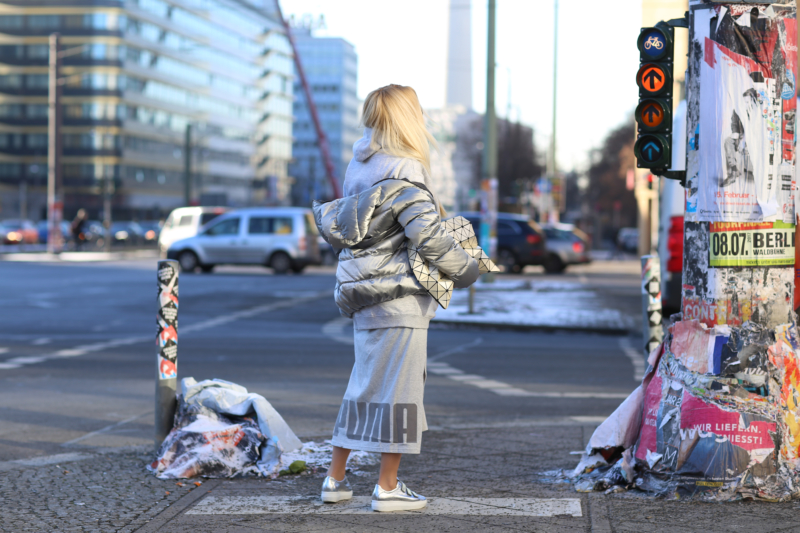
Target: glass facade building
<point>331,66</point>
<point>136,74</point>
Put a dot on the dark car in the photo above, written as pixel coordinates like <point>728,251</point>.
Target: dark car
<point>520,240</point>
<point>127,233</point>
<point>151,229</point>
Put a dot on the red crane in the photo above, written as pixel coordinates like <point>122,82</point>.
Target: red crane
<point>322,139</point>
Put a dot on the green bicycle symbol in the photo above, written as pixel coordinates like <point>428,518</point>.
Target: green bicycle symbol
<point>653,42</point>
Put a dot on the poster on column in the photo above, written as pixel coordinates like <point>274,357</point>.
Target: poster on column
<point>746,134</point>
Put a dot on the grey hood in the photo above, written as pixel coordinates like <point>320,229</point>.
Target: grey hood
<point>371,231</point>
<point>362,148</point>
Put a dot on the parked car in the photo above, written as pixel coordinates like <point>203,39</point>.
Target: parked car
<point>185,222</point>
<point>127,233</point>
<point>566,245</point>
<point>281,238</point>
<point>628,240</point>
<point>151,229</point>
<point>16,231</point>
<point>520,240</point>
<point>43,229</point>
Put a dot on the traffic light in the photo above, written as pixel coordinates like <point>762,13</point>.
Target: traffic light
<point>653,146</point>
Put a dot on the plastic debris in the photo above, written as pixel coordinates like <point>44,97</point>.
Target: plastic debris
<point>715,418</point>
<point>221,430</point>
<point>297,467</point>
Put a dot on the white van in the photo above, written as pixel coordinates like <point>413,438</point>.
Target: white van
<point>184,222</point>
<point>281,238</point>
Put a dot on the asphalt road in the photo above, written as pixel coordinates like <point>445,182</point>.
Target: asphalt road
<point>77,355</point>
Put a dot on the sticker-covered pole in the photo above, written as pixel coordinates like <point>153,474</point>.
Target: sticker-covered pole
<point>166,348</point>
<point>651,303</point>
<point>739,248</point>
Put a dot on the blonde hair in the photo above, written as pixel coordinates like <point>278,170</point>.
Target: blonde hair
<point>398,123</point>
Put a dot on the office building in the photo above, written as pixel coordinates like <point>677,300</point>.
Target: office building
<point>459,54</point>
<point>137,73</point>
<point>330,65</point>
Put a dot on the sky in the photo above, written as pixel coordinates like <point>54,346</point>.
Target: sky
<point>405,42</point>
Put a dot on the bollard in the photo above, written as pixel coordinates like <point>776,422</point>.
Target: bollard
<point>166,348</point>
<point>651,303</point>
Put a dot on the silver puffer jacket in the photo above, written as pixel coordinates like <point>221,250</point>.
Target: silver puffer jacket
<point>370,231</point>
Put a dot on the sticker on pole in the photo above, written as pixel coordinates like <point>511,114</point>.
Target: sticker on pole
<point>742,244</point>
<point>167,321</point>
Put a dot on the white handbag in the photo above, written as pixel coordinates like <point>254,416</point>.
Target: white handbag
<point>438,284</point>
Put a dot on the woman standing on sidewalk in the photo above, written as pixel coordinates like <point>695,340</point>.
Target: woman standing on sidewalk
<point>387,204</point>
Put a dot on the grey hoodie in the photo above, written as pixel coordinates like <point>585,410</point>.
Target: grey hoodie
<point>413,307</point>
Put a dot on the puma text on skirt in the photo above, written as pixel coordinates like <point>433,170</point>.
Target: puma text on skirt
<point>382,409</point>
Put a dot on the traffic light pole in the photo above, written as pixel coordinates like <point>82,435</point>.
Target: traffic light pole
<point>55,199</point>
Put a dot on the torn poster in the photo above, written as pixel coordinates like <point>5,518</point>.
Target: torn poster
<point>746,140</point>
<point>751,244</point>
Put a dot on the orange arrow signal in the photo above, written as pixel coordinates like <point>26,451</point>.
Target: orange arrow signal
<point>651,78</point>
<point>652,115</point>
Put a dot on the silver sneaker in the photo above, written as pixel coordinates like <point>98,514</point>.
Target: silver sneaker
<point>400,499</point>
<point>335,491</point>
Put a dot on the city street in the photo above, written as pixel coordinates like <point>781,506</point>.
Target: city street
<point>76,406</point>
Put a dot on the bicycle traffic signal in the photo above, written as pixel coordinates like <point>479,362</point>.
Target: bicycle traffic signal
<point>653,148</point>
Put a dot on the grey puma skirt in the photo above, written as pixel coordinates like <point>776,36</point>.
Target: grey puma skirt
<point>382,409</point>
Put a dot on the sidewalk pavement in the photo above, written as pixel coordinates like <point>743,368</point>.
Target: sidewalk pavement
<point>485,479</point>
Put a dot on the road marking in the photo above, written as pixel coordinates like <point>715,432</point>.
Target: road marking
<point>107,428</point>
<point>504,389</point>
<point>46,460</point>
<point>457,349</point>
<point>251,505</point>
<point>41,342</point>
<point>3,350</point>
<point>18,362</point>
<point>335,329</point>
<point>636,357</point>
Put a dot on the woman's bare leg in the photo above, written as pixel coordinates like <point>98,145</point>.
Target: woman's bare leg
<point>390,464</point>
<point>339,463</point>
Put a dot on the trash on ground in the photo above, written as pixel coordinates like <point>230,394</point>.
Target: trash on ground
<point>716,417</point>
<point>221,430</point>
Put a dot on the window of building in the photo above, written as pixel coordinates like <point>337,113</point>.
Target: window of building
<point>11,22</point>
<point>37,81</point>
<point>36,111</point>
<point>37,140</point>
<point>10,169</point>
<point>11,81</point>
<point>41,22</point>
<point>38,51</point>
<point>10,110</point>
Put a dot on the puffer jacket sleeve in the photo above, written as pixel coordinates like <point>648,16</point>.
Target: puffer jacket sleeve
<point>422,225</point>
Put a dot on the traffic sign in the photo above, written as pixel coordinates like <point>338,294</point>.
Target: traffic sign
<point>653,150</point>
<point>653,79</point>
<point>653,114</point>
<point>654,44</point>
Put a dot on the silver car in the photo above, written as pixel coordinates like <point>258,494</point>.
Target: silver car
<point>281,238</point>
<point>566,245</point>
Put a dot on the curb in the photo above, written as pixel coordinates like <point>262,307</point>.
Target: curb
<point>160,520</point>
<point>500,326</point>
<point>77,257</point>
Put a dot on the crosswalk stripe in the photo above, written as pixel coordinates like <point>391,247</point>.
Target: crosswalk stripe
<point>250,505</point>
<point>504,389</point>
